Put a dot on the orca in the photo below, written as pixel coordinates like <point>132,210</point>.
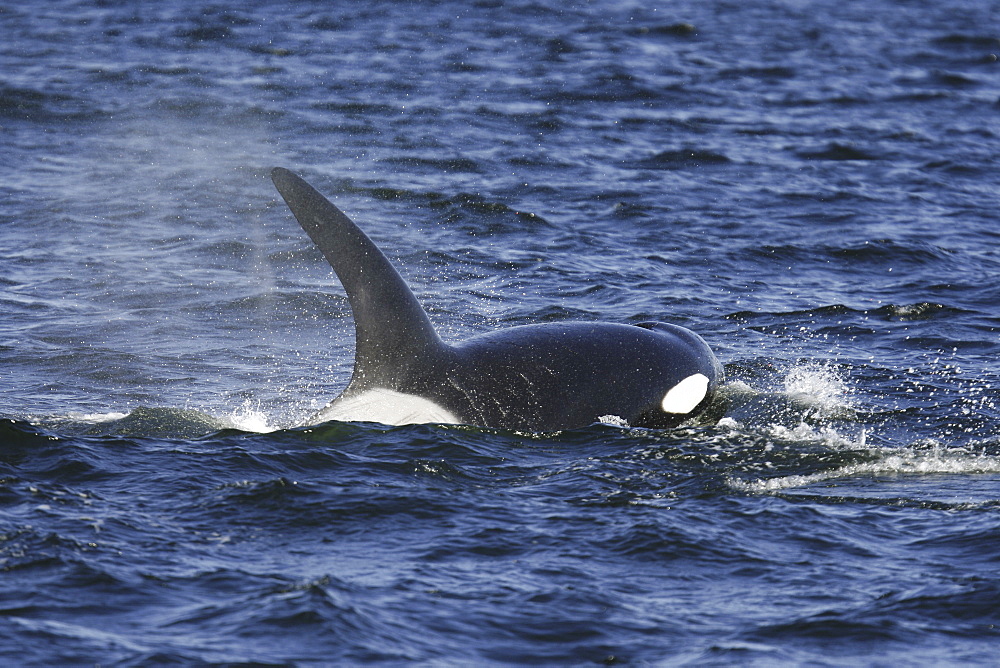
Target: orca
<point>535,378</point>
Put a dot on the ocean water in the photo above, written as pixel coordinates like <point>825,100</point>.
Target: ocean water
<point>810,185</point>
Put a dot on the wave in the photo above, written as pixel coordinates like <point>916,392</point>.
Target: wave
<point>685,158</point>
<point>888,312</point>
<point>887,463</point>
<point>839,151</point>
<point>28,104</point>
<point>459,207</point>
<point>897,254</point>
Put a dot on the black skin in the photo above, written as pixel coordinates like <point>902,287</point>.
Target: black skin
<point>542,377</point>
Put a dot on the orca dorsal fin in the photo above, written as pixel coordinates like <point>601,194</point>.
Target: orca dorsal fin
<point>390,325</point>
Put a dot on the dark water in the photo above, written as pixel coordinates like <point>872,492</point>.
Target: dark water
<point>812,186</point>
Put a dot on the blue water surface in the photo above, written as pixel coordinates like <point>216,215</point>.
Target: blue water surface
<point>811,186</point>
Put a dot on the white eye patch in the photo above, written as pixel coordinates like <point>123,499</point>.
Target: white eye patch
<point>685,396</point>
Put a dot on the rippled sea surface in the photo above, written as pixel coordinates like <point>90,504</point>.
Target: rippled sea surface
<point>811,186</point>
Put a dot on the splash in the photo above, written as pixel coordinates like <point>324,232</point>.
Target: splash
<point>818,388</point>
<point>249,417</point>
<point>96,418</point>
<point>613,421</point>
<point>808,403</point>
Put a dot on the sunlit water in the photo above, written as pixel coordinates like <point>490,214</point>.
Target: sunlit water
<point>810,186</point>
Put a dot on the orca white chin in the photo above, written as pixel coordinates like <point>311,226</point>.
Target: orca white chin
<point>385,407</point>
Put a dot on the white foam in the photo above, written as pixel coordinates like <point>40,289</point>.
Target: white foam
<point>904,461</point>
<point>250,419</point>
<point>819,434</point>
<point>817,387</point>
<point>97,418</point>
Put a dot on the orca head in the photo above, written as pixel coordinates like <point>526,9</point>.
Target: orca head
<point>694,387</point>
